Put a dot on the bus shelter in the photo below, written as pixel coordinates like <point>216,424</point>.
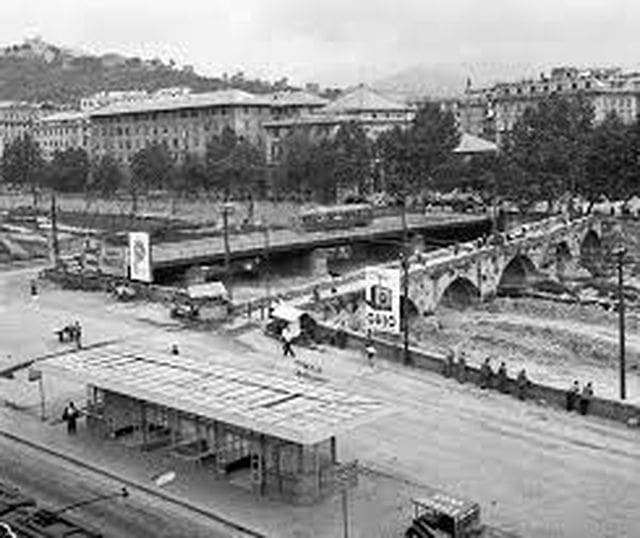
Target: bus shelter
<point>281,431</point>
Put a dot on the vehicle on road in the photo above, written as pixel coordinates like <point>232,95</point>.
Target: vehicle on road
<point>443,516</point>
<point>336,217</point>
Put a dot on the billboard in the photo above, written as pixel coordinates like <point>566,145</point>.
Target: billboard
<point>382,299</point>
<point>113,260</point>
<point>140,256</point>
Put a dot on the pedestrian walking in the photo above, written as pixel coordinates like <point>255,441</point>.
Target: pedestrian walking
<point>572,395</point>
<point>486,374</point>
<point>502,377</point>
<point>286,343</point>
<point>316,294</point>
<point>585,398</point>
<point>33,286</point>
<point>77,330</point>
<point>175,350</point>
<point>70,416</point>
<point>371,353</point>
<point>522,383</point>
<point>449,367</point>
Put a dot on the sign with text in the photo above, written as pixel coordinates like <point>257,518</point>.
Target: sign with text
<point>382,299</point>
<point>140,256</point>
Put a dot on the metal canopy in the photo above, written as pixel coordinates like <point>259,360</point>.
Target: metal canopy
<point>261,401</point>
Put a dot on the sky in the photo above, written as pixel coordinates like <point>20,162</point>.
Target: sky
<point>337,42</point>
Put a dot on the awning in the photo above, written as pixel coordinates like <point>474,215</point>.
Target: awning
<point>287,313</point>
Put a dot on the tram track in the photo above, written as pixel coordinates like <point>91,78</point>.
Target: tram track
<point>238,529</point>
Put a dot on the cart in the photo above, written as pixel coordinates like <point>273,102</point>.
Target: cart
<point>443,516</point>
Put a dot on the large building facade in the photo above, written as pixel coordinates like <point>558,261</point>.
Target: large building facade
<point>16,120</point>
<point>493,112</point>
<point>370,110</point>
<point>61,131</point>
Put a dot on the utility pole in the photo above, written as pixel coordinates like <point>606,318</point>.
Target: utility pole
<point>54,232</point>
<point>405,282</point>
<point>227,251</point>
<point>267,272</point>
<point>620,252</point>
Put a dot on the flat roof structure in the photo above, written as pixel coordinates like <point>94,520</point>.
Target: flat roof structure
<point>294,410</point>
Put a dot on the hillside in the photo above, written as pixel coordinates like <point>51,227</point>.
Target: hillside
<point>37,71</point>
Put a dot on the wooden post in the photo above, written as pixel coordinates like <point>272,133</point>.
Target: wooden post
<point>334,450</point>
<point>43,415</point>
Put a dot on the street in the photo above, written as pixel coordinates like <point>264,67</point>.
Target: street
<point>535,471</point>
<point>55,484</point>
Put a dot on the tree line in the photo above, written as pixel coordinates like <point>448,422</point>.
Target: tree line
<point>555,150</point>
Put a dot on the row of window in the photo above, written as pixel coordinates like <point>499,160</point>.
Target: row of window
<point>519,90</point>
<point>185,113</point>
<point>165,129</point>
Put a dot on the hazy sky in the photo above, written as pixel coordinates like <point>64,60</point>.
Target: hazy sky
<point>336,41</point>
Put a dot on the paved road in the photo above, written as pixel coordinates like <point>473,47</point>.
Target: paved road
<point>535,471</point>
<point>55,484</point>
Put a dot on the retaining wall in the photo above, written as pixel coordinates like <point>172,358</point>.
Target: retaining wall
<point>420,358</point>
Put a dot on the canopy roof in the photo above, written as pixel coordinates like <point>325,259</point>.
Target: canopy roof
<point>261,401</point>
<point>474,144</point>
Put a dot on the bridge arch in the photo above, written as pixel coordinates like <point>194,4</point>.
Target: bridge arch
<point>562,256</point>
<point>517,273</point>
<point>461,293</point>
<point>591,255</point>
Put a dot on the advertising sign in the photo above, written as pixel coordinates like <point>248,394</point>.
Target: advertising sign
<point>382,299</point>
<point>140,256</point>
<point>113,260</point>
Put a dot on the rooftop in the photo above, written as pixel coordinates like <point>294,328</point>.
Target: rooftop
<point>330,119</point>
<point>364,98</point>
<point>262,401</point>
<point>67,115</point>
<point>194,100</point>
<point>474,144</point>
<point>297,98</point>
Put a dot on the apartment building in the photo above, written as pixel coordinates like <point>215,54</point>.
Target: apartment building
<point>493,112</point>
<point>184,123</point>
<point>62,131</point>
<point>372,111</point>
<point>17,119</point>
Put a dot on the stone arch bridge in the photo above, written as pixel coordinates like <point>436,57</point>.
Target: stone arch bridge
<point>476,270</point>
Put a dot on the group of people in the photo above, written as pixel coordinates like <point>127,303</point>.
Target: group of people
<point>499,379</point>
<point>579,399</point>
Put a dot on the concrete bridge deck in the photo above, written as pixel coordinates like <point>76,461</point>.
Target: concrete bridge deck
<point>211,249</point>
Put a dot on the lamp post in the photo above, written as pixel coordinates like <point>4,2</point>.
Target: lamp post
<point>226,209</point>
<point>405,283</point>
<point>619,252</point>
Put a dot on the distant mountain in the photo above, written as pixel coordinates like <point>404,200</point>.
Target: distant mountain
<point>42,72</point>
<point>449,80</point>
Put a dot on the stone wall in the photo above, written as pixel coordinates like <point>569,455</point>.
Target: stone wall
<point>393,351</point>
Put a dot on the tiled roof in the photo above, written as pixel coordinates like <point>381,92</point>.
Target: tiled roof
<point>363,98</point>
<point>193,100</point>
<point>297,98</point>
<point>474,144</point>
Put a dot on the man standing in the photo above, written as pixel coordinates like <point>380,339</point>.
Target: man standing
<point>521,384</point>
<point>585,398</point>
<point>502,377</point>
<point>486,373</point>
<point>371,352</point>
<point>70,416</point>
<point>572,395</point>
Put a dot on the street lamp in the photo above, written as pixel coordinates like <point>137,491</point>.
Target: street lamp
<point>404,316</point>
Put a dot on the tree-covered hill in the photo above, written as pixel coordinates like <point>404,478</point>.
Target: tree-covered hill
<point>37,71</point>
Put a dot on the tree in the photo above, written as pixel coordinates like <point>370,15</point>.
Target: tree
<point>610,160</point>
<point>192,174</point>
<point>22,164</point>
<point>233,164</point>
<point>352,153</point>
<point>415,157</point>
<point>106,177</point>
<point>548,147</point>
<point>152,167</point>
<point>68,170</point>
